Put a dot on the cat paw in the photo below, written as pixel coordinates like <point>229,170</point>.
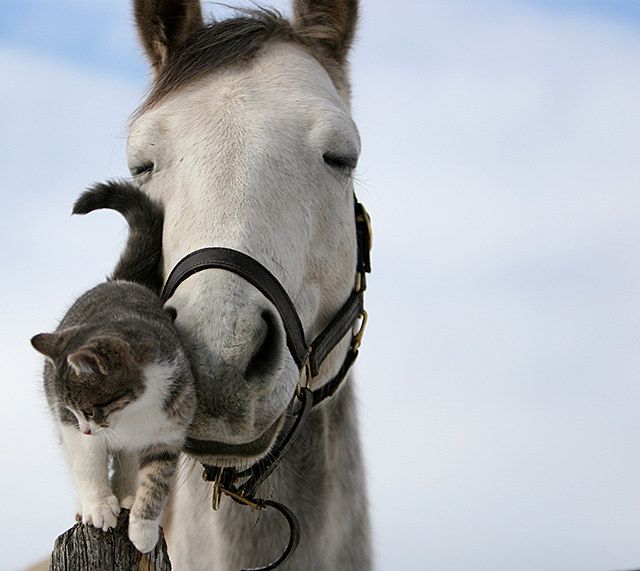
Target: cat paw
<point>126,503</point>
<point>143,533</point>
<point>101,512</point>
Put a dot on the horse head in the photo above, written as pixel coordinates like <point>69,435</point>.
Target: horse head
<point>247,140</point>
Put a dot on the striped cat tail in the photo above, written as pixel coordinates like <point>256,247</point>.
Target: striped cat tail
<point>141,261</point>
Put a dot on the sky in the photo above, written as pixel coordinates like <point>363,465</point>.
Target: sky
<point>498,381</point>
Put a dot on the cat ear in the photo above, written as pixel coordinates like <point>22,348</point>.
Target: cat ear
<point>101,355</point>
<point>88,361</point>
<point>45,343</point>
<point>51,345</point>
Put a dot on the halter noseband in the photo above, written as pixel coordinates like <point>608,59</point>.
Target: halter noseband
<point>307,356</point>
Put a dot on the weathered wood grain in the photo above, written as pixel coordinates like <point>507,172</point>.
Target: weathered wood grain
<point>85,548</point>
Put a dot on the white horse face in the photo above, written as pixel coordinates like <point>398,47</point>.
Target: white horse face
<point>256,157</point>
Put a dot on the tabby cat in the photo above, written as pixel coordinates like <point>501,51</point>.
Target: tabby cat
<point>118,380</point>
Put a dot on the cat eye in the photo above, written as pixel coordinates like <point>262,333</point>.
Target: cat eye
<point>118,402</point>
<point>345,164</point>
<point>87,413</point>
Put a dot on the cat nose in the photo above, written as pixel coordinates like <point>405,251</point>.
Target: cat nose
<point>87,431</point>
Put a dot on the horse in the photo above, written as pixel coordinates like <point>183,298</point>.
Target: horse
<point>246,139</point>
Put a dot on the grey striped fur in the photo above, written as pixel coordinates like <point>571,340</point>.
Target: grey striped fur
<point>118,380</point>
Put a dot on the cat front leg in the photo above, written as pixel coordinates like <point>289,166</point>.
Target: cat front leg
<point>158,465</point>
<point>88,458</point>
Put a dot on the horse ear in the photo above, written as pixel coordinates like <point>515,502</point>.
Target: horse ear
<point>164,25</point>
<point>327,25</point>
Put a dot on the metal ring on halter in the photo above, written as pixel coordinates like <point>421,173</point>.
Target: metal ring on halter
<point>357,336</point>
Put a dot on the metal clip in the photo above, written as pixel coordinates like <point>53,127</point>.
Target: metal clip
<point>357,337</point>
<point>246,501</point>
<point>216,493</point>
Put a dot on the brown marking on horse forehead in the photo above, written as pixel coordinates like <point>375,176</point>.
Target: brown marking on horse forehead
<point>223,43</point>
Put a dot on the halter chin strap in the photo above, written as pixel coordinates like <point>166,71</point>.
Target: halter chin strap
<point>307,356</point>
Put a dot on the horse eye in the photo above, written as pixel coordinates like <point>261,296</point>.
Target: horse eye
<point>343,163</point>
<point>142,168</point>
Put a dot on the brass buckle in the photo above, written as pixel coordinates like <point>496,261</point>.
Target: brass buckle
<point>358,285</point>
<point>306,373</point>
<point>357,337</point>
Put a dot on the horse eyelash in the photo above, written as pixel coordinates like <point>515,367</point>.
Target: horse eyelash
<point>344,164</point>
<point>142,168</point>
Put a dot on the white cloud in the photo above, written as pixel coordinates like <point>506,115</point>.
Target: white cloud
<point>502,174</point>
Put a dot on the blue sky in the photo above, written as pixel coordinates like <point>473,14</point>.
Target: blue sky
<point>99,34</point>
<point>499,374</point>
<point>627,11</point>
<point>87,34</point>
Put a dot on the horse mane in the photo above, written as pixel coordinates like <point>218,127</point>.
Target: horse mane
<point>217,44</point>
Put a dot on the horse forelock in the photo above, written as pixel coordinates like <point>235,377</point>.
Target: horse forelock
<point>222,43</point>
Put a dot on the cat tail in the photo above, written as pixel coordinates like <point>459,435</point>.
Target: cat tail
<point>141,261</point>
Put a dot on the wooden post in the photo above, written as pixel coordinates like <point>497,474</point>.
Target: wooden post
<point>85,548</point>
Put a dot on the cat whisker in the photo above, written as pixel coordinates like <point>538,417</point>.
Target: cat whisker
<point>109,434</point>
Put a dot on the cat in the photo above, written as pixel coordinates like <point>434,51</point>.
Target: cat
<point>118,380</point>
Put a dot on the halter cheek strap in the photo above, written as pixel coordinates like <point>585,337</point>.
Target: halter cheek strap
<point>307,356</point>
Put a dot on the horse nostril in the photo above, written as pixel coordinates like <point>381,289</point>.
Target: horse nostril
<point>266,357</point>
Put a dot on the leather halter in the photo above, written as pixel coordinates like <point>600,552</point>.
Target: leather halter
<point>307,356</point>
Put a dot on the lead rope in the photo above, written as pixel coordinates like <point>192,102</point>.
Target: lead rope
<point>224,479</point>
<point>224,482</point>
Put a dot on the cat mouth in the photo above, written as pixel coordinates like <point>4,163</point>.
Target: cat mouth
<point>224,453</point>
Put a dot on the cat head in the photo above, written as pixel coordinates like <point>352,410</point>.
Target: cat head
<point>94,377</point>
